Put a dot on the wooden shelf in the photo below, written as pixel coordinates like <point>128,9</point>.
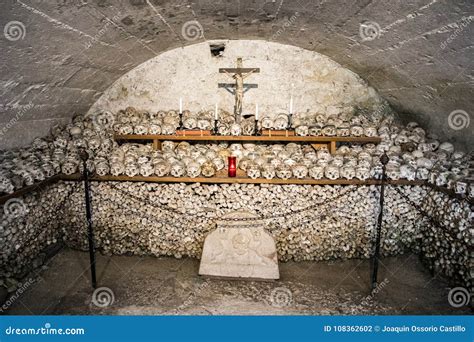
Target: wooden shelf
<point>330,142</point>
<point>240,179</point>
<point>28,189</point>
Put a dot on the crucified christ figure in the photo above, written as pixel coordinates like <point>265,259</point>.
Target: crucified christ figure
<point>239,75</point>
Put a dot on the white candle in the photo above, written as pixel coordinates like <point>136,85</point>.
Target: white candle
<point>256,111</point>
<point>291,105</point>
<point>216,112</point>
<point>180,104</point>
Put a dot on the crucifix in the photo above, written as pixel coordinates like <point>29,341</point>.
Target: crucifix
<point>238,74</point>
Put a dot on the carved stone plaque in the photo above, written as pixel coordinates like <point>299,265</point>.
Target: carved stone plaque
<point>240,249</point>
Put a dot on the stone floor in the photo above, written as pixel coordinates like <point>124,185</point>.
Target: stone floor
<point>148,285</point>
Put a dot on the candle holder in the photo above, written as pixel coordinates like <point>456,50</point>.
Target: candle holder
<point>180,120</point>
<point>289,120</point>
<point>256,131</point>
<point>232,166</point>
<point>216,131</point>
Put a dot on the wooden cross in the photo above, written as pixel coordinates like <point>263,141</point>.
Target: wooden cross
<point>238,74</point>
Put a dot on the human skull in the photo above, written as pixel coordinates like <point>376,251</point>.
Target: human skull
<point>348,172</point>
<point>393,172</point>
<point>193,170</point>
<point>248,127</point>
<point>177,169</point>
<point>422,173</point>
<point>408,172</point>
<point>315,130</point>
<point>267,122</point>
<point>131,170</point>
<point>300,171</point>
<point>370,131</point>
<point>116,169</point>
<point>69,168</point>
<point>268,171</point>
<point>376,172</point>
<point>102,168</point>
<point>154,129</point>
<point>162,169</point>
<point>331,172</point>
<point>357,130</point>
<point>362,172</point>
<point>235,129</point>
<point>204,124</point>
<point>190,123</point>
<point>126,129</point>
<point>281,122</point>
<point>208,169</point>
<point>253,171</point>
<point>140,129</point>
<point>283,171</point>
<point>302,130</point>
<point>219,163</point>
<point>146,169</point>
<point>343,131</point>
<point>329,130</point>
<point>223,129</point>
<point>168,129</point>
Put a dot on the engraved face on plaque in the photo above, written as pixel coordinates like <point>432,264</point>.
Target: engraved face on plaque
<point>240,248</point>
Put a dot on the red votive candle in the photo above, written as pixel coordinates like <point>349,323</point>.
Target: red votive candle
<point>232,166</point>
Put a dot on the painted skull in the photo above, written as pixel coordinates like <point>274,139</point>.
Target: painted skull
<point>208,169</point>
<point>204,124</point>
<point>248,128</point>
<point>302,130</point>
<point>343,131</point>
<point>283,171</point>
<point>329,130</point>
<point>357,130</point>
<point>219,163</point>
<point>370,131</point>
<point>190,123</point>
<point>281,123</point>
<point>315,130</point>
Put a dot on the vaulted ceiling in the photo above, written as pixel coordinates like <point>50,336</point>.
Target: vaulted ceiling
<point>57,57</point>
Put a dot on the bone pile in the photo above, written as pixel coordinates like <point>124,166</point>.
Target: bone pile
<point>28,226</point>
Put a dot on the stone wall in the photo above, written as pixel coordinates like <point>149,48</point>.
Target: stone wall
<point>317,84</point>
